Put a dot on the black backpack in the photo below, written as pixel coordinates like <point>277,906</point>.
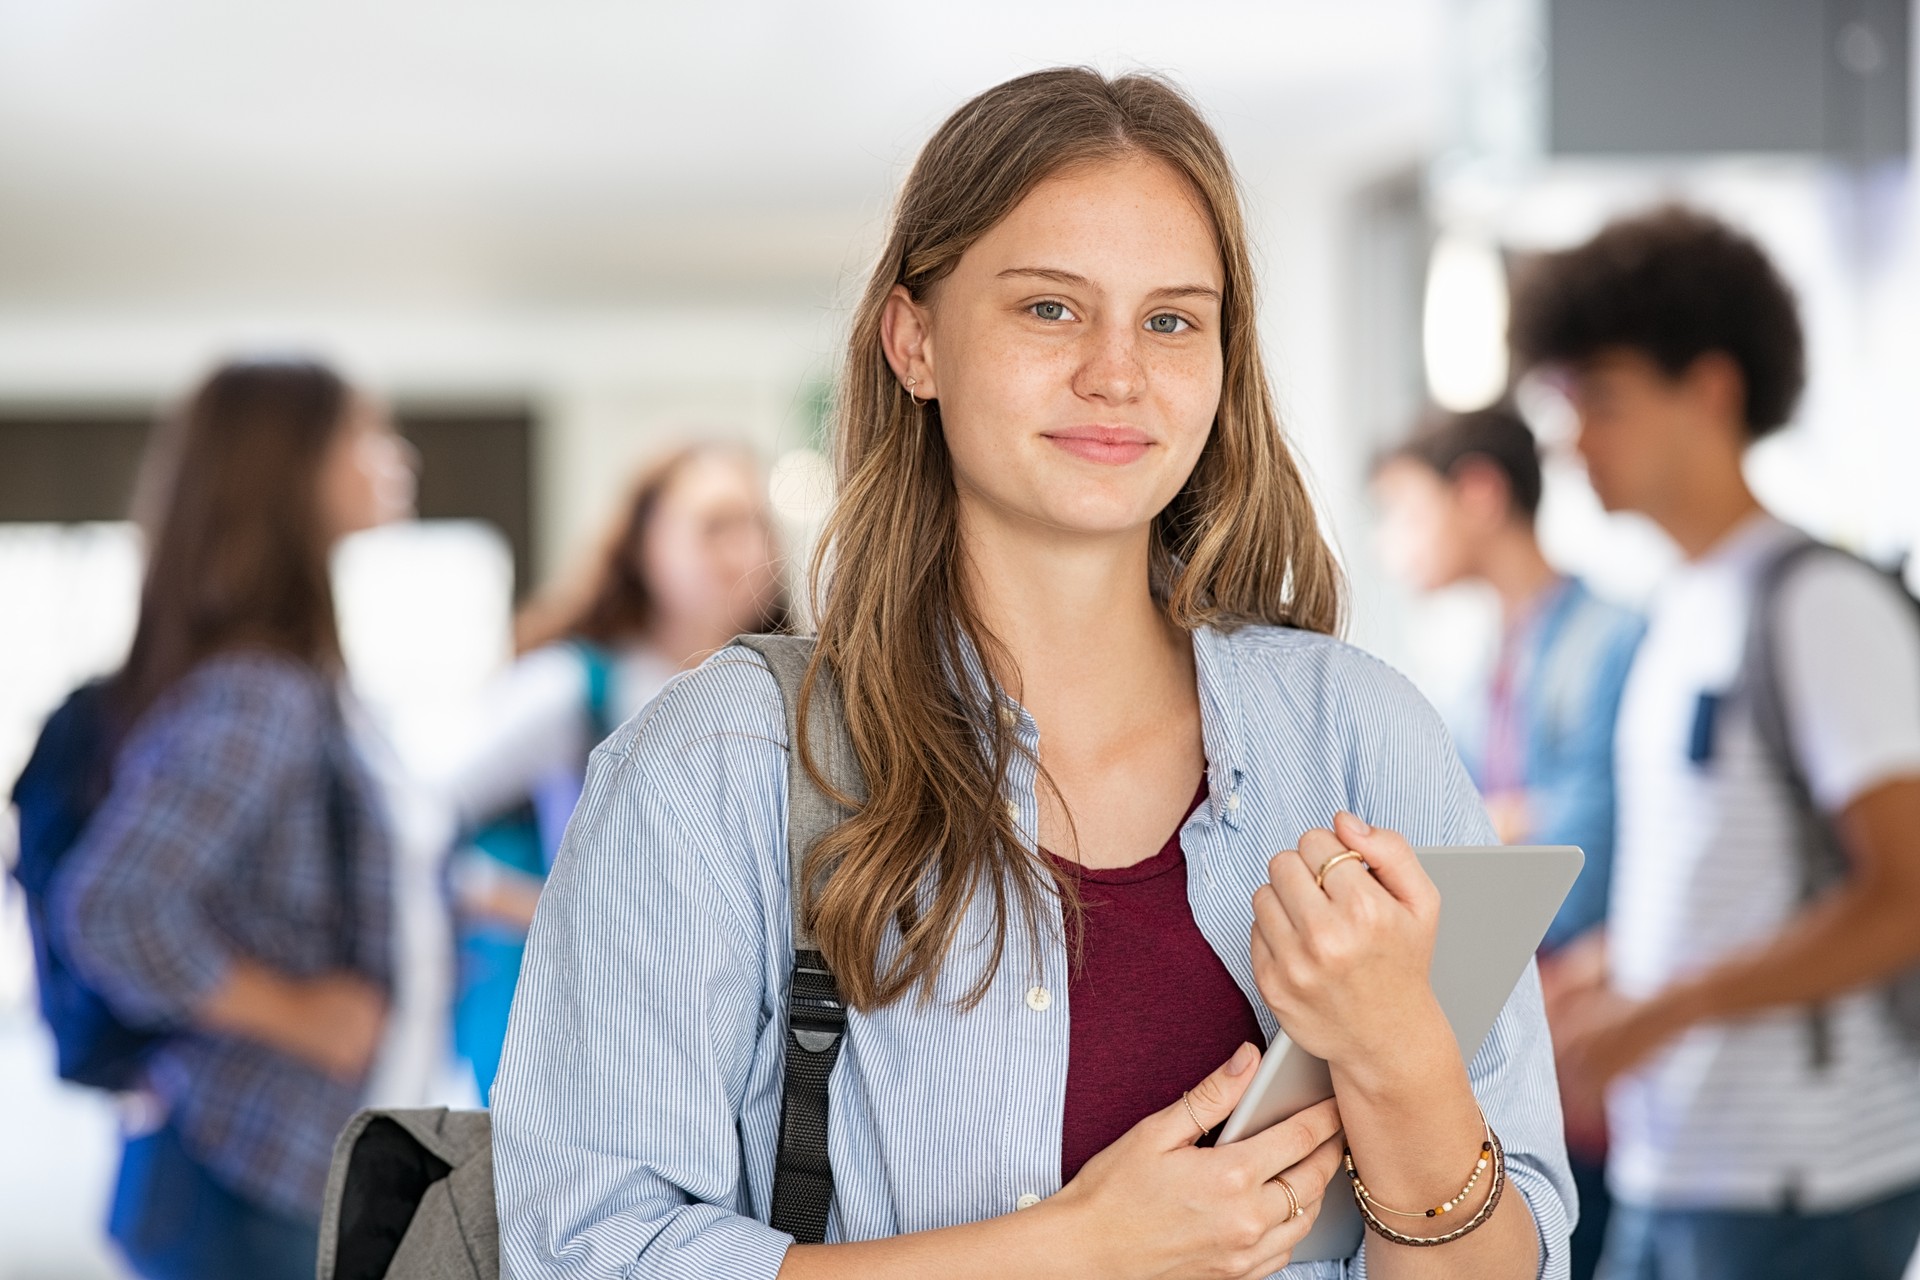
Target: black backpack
<point>1823,858</point>
<point>65,780</point>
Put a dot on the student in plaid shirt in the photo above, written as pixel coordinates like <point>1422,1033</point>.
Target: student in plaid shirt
<point>234,885</point>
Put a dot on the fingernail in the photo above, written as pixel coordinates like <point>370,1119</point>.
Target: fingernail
<point>1359,825</point>
<point>1243,1057</point>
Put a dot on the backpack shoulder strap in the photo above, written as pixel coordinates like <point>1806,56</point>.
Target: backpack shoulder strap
<point>1760,667</point>
<point>816,1017</point>
<point>1822,858</point>
<point>1760,682</point>
<point>597,665</point>
<point>344,821</point>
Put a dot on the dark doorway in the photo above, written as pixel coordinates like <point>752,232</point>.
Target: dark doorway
<point>65,466</point>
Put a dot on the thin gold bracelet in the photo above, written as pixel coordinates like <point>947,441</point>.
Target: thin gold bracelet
<point>1445,1207</point>
<point>1478,1220</point>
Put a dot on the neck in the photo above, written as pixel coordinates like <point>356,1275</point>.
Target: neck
<point>1708,507</point>
<point>1515,568</point>
<point>685,642</point>
<point>1072,611</point>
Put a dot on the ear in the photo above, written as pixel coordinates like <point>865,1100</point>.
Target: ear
<point>1719,390</point>
<point>1482,490</point>
<point>906,336</point>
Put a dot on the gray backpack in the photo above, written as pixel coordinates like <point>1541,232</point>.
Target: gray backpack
<point>1823,858</point>
<point>410,1193</point>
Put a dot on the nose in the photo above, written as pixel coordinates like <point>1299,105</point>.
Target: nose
<point>1111,369</point>
<point>406,456</point>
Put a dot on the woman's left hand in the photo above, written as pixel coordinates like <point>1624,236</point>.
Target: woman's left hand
<point>1344,964</point>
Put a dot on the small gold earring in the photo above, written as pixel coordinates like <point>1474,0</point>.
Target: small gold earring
<point>911,384</point>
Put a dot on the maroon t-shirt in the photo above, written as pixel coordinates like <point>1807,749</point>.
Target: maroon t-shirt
<point>1153,1010</point>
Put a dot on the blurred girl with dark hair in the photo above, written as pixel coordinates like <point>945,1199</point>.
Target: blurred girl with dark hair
<point>233,887</point>
<point>687,563</point>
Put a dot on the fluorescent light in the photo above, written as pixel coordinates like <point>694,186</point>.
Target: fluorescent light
<point>1465,325</point>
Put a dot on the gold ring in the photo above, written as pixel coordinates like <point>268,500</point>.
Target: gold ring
<point>1187,1102</point>
<point>1293,1201</point>
<point>1345,855</point>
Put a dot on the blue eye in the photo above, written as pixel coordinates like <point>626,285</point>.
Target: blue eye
<point>1051,311</point>
<point>1167,323</point>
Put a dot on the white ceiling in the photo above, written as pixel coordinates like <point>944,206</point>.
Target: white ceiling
<point>583,151</point>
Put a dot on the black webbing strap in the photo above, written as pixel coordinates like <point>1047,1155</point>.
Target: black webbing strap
<point>816,1018</point>
<point>802,1171</point>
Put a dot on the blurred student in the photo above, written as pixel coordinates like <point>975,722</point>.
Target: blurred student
<point>1765,1100</point>
<point>688,563</point>
<point>234,884</point>
<point>1458,502</point>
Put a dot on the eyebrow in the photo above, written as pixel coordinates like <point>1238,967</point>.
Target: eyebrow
<point>1079,281</point>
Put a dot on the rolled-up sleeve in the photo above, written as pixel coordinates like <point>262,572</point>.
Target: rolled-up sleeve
<point>619,1146</point>
<point>1417,781</point>
<point>193,789</point>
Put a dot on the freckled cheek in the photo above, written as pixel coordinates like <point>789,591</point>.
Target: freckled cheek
<point>990,406</point>
<point>1188,394</point>
<point>1019,385</point>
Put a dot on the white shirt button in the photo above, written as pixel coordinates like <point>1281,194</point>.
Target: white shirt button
<point>1233,801</point>
<point>1039,999</point>
<point>1013,811</point>
<point>1008,716</point>
<point>1026,1201</point>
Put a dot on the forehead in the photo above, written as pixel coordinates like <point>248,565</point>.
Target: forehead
<point>709,477</point>
<point>366,412</point>
<point>1405,479</point>
<point>1132,221</point>
<point>1611,368</point>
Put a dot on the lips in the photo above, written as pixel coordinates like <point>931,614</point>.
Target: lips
<point>1112,446</point>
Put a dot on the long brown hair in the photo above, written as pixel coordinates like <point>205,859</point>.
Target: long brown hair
<point>1239,543</point>
<point>237,552</point>
<point>612,603</point>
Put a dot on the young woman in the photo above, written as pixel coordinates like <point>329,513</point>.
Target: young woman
<point>1079,612</point>
<point>689,563</point>
<point>234,885</point>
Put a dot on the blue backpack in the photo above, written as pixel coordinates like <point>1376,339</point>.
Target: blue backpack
<point>65,780</point>
<point>523,840</point>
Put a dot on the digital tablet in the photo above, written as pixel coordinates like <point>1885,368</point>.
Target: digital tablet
<point>1495,906</point>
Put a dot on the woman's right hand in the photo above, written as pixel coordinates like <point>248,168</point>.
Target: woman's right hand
<point>340,1021</point>
<point>1154,1205</point>
<point>332,1022</point>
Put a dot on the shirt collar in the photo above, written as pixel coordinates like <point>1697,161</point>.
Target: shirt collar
<point>1748,543</point>
<point>1217,663</point>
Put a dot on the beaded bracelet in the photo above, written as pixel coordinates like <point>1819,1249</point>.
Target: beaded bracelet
<point>1445,1207</point>
<point>1498,1184</point>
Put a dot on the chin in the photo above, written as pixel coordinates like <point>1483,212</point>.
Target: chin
<point>1080,524</point>
<point>1073,509</point>
<point>1611,502</point>
<point>1097,514</point>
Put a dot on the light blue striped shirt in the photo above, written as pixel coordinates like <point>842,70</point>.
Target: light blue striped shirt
<point>637,1107</point>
